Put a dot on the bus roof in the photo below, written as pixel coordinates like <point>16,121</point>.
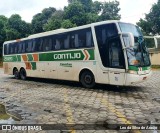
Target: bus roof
<point>43,34</point>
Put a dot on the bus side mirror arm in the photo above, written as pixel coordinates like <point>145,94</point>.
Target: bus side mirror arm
<point>156,43</point>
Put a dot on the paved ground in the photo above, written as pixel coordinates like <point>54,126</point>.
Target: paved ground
<point>47,101</point>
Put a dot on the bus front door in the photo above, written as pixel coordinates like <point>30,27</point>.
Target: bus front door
<point>116,63</point>
<point>116,76</point>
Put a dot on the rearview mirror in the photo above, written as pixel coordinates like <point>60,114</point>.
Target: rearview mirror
<point>152,41</point>
<point>128,39</point>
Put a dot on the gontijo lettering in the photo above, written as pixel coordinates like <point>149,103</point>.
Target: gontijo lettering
<point>67,56</point>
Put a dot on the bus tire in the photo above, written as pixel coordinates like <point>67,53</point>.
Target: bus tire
<point>87,79</point>
<point>23,74</point>
<point>16,73</point>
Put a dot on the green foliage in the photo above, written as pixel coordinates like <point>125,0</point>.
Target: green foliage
<point>17,27</point>
<point>156,66</point>
<point>76,13</point>
<point>149,42</point>
<point>37,23</point>
<point>91,18</point>
<point>53,24</point>
<point>3,23</point>
<point>110,11</point>
<point>97,7</point>
<point>83,12</point>
<point>67,24</point>
<point>151,23</point>
<point>40,19</point>
<point>55,21</point>
<point>12,34</point>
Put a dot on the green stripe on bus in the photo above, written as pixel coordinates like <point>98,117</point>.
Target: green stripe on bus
<point>133,68</point>
<point>91,52</point>
<point>145,68</point>
<point>87,54</point>
<point>19,57</point>
<point>136,68</point>
<point>10,58</point>
<point>66,56</point>
<point>34,67</point>
<point>30,57</point>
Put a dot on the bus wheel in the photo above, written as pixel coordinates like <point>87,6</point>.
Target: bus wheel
<point>23,74</point>
<point>87,79</point>
<point>16,73</point>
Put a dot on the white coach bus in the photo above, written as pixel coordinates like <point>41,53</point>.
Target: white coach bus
<point>108,52</point>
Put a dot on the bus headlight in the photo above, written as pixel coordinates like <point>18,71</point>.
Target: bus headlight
<point>132,72</point>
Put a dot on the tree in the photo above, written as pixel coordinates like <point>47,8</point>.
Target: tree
<point>97,7</point>
<point>13,28</point>
<point>3,22</point>
<point>37,23</point>
<point>151,23</point>
<point>12,34</point>
<point>67,24</point>
<point>55,21</point>
<point>40,19</point>
<point>110,11</point>
<point>91,17</point>
<point>75,13</point>
<point>82,12</point>
<point>17,25</point>
<point>87,4</point>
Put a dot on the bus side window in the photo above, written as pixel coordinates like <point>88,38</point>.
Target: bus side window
<point>76,41</point>
<point>72,44</point>
<point>33,45</point>
<point>19,47</point>
<point>26,49</point>
<point>11,48</point>
<point>40,45</point>
<point>5,49</point>
<point>57,46</point>
<point>89,40</point>
<point>37,43</point>
<point>45,44</point>
<point>23,47</point>
<point>50,44</point>
<point>66,42</point>
<point>53,42</point>
<point>14,48</point>
<point>82,39</point>
<point>29,46</point>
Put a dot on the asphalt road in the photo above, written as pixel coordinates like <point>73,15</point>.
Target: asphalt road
<point>45,101</point>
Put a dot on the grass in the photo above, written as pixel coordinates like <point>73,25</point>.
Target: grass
<point>155,66</point>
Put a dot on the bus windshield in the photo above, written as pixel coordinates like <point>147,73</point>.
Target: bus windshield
<point>139,54</point>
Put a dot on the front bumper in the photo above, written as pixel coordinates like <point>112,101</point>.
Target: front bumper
<point>137,78</point>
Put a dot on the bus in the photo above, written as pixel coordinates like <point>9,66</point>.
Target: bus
<point>107,52</point>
